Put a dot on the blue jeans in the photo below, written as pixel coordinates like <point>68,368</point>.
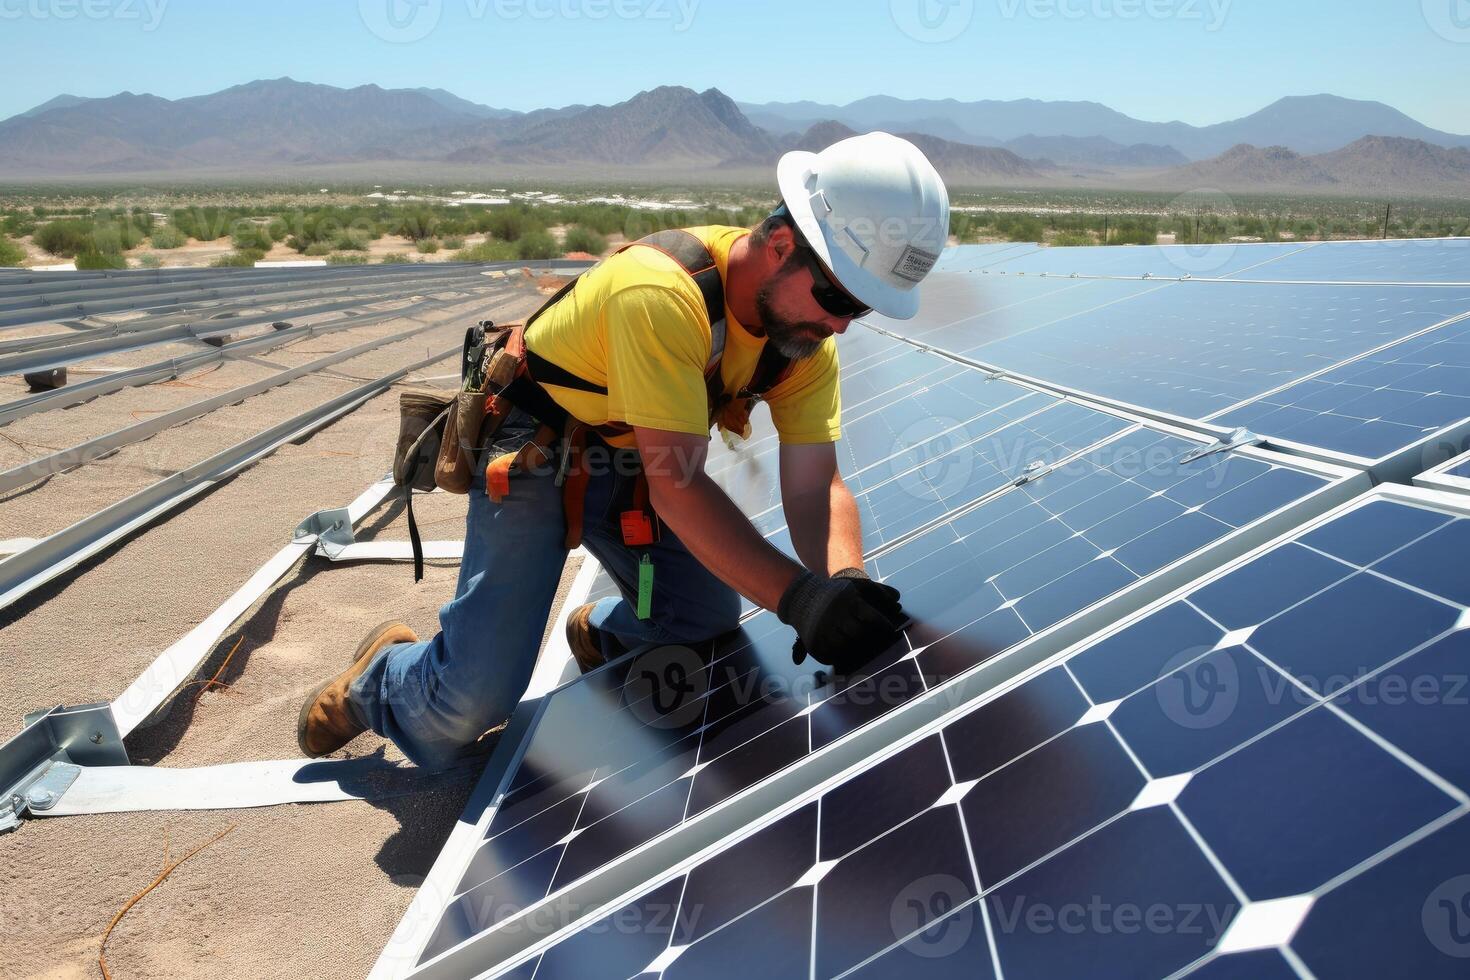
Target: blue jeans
<point>433,698</point>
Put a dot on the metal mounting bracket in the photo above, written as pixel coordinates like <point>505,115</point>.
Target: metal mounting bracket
<point>332,528</point>
<point>40,763</point>
<point>1236,439</point>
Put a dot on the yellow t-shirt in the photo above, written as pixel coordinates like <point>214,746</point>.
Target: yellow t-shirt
<point>636,325</point>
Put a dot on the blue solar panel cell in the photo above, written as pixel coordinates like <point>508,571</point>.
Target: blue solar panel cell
<point>1463,470</point>
<point>1423,705</point>
<point>1184,721</point>
<point>1366,534</point>
<point>1044,919</point>
<point>1361,623</point>
<point>1043,800</point>
<point>1357,931</point>
<point>1288,813</point>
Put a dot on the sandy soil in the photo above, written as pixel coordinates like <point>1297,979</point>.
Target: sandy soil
<point>301,890</point>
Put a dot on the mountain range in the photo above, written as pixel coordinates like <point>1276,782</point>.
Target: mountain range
<point>1314,143</point>
<point>1306,124</point>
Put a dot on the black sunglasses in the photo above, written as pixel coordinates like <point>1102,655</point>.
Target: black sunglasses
<point>829,296</point>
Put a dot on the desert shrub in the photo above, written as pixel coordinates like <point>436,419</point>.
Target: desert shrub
<point>454,243</point>
<point>1068,238</point>
<point>11,254</point>
<point>252,237</point>
<point>537,244</point>
<point>167,236</point>
<point>491,251</point>
<point>352,240</point>
<point>244,258</point>
<point>65,238</point>
<point>18,224</point>
<point>204,224</point>
<point>347,258</point>
<point>417,224</point>
<point>1019,227</point>
<point>319,250</point>
<point>580,238</point>
<point>427,246</point>
<point>100,260</point>
<point>150,261</point>
<point>394,258</point>
<point>509,223</point>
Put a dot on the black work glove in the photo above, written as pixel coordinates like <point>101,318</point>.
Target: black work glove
<point>843,621</point>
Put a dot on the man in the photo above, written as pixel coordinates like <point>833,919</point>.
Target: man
<point>634,351</point>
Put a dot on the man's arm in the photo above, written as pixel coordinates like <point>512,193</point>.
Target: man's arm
<point>707,520</point>
<point>820,511</point>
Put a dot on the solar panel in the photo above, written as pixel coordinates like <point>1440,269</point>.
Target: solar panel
<point>1159,261</point>
<point>1376,405</point>
<point>1265,770</point>
<point>1186,349</point>
<point>606,770</point>
<point>1438,260</point>
<point>1392,260</point>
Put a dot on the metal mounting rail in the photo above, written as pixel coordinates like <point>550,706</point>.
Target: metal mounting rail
<point>163,301</point>
<point>258,308</point>
<point>85,452</point>
<point>175,298</point>
<point>82,348</point>
<point>47,302</point>
<point>173,367</point>
<point>22,573</point>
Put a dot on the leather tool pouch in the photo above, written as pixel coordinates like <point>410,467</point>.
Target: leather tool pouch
<point>483,364</point>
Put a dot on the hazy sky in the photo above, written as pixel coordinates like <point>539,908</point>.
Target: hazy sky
<point>1201,61</point>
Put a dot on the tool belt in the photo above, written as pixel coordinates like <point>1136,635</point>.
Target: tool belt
<point>500,374</point>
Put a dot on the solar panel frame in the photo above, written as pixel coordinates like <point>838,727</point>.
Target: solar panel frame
<point>583,899</point>
<point>1451,476</point>
<point>1447,506</point>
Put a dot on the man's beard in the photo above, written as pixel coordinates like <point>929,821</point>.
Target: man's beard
<point>794,339</point>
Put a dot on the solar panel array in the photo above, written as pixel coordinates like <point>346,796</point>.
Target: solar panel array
<point>1196,775</point>
<point>1042,791</point>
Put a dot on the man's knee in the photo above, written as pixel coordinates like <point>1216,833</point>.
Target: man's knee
<point>719,615</point>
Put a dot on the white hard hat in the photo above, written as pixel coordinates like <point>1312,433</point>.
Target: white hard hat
<point>875,211</point>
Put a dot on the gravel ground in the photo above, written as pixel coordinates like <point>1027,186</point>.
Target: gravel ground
<point>297,890</point>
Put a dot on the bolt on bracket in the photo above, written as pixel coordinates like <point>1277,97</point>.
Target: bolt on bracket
<point>42,761</point>
<point>332,529</point>
<point>1235,440</point>
<point>1034,470</point>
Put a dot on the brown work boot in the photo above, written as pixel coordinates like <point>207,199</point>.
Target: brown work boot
<point>585,639</point>
<point>326,723</point>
